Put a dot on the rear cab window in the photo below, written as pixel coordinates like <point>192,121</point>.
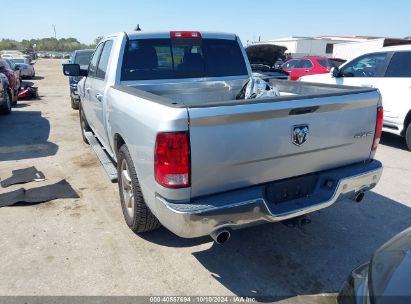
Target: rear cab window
<point>167,58</point>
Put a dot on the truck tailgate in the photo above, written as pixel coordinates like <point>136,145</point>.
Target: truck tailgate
<point>240,145</point>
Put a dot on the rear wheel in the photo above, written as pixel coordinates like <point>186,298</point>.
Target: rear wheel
<point>408,137</point>
<point>136,213</point>
<point>6,107</point>
<point>84,125</point>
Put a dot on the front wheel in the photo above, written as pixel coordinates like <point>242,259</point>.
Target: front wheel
<point>74,103</point>
<point>83,124</point>
<point>136,213</point>
<point>408,137</point>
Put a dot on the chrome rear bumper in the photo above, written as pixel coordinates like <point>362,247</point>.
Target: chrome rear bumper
<point>249,206</point>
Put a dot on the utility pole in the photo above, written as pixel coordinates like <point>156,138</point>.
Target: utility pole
<point>55,33</point>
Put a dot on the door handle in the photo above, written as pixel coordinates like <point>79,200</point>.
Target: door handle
<point>99,97</point>
<point>88,90</point>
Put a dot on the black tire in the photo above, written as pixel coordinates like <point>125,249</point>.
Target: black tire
<point>83,124</point>
<point>139,217</point>
<point>74,104</point>
<point>6,107</point>
<point>14,99</point>
<point>408,137</point>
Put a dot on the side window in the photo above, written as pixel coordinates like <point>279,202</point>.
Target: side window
<point>292,64</point>
<point>94,61</point>
<point>370,65</point>
<point>104,58</point>
<point>305,64</point>
<point>400,65</point>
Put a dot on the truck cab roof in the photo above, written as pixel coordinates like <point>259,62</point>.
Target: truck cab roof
<point>150,35</point>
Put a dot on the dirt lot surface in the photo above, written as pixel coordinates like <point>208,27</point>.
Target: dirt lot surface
<point>83,246</point>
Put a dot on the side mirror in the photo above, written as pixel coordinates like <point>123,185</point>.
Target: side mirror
<point>17,68</point>
<point>73,70</point>
<point>335,72</point>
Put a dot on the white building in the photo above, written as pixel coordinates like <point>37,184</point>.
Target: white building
<point>310,46</point>
<point>351,50</point>
<point>344,47</point>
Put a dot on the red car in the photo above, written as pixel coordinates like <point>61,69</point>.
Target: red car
<point>12,77</point>
<point>303,66</point>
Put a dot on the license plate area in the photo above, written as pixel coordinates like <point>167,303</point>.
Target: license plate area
<point>290,189</point>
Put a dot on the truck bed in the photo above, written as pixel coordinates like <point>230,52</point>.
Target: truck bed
<point>241,143</point>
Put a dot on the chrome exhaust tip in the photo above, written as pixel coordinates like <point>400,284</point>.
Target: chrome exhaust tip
<point>220,236</point>
<point>359,196</point>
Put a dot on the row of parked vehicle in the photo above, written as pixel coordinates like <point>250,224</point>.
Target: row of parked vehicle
<point>14,66</point>
<point>53,55</point>
<point>18,61</point>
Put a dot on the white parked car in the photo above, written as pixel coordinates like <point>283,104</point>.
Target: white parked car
<point>389,70</point>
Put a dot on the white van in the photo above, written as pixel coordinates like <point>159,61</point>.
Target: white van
<point>389,70</point>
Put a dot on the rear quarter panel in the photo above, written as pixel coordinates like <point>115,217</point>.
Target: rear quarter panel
<point>138,120</point>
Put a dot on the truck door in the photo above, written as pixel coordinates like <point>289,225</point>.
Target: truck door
<point>87,102</point>
<point>98,98</point>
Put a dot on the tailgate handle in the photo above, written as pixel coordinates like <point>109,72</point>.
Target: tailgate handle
<point>305,110</point>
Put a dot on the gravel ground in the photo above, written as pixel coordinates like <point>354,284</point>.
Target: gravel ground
<point>83,246</point>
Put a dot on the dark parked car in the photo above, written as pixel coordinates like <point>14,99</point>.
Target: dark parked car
<point>5,95</point>
<point>266,72</point>
<point>386,278</point>
<point>265,60</point>
<point>82,58</point>
<point>13,77</point>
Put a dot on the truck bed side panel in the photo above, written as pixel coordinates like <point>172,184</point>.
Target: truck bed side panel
<point>138,120</point>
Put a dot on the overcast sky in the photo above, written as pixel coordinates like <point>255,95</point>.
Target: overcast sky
<point>87,19</point>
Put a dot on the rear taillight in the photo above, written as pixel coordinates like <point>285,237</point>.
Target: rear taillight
<point>378,127</point>
<point>185,34</point>
<point>172,159</point>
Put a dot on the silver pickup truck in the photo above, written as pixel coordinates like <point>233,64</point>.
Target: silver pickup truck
<point>163,113</point>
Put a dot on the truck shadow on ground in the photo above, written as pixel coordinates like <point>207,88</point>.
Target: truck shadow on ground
<point>394,141</point>
<point>24,134</point>
<point>272,262</point>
